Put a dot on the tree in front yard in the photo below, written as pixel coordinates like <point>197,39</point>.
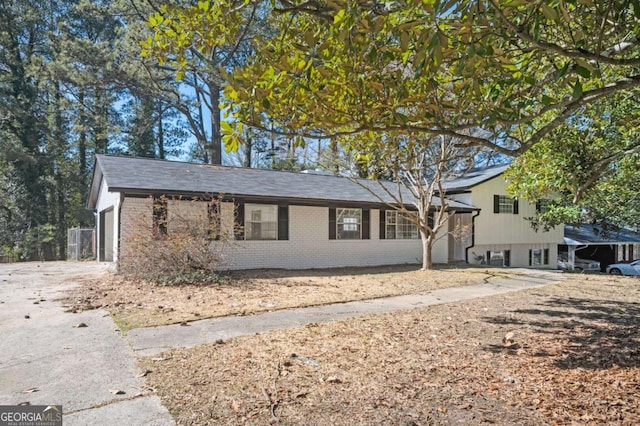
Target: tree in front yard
<point>418,165</point>
<point>520,70</point>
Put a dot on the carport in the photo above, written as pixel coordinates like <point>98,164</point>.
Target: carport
<point>591,242</point>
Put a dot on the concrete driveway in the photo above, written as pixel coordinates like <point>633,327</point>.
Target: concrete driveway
<point>45,359</point>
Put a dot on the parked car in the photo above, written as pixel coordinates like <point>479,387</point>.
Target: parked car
<point>579,264</point>
<point>631,268</point>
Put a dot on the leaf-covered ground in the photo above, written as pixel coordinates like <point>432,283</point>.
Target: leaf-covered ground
<point>565,354</point>
<point>140,304</point>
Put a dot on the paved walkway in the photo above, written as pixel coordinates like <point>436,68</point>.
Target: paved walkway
<point>153,340</point>
<point>45,359</point>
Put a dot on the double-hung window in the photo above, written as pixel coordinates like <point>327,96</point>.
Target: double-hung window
<point>505,204</point>
<point>399,227</point>
<point>543,205</point>
<point>261,222</point>
<point>348,224</point>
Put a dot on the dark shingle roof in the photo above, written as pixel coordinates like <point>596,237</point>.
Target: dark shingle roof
<point>474,177</point>
<point>584,233</point>
<point>143,175</point>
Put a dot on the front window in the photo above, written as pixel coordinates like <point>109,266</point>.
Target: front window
<point>399,227</point>
<point>348,224</point>
<point>261,222</point>
<point>505,204</point>
<point>543,205</point>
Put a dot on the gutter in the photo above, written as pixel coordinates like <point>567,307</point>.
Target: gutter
<point>473,236</point>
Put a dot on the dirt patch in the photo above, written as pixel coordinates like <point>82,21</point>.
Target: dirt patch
<point>563,354</point>
<point>139,304</point>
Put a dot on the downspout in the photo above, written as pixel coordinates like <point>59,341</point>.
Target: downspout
<point>117,257</point>
<point>473,236</point>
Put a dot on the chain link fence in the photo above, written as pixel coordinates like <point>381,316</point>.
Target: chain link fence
<point>80,244</point>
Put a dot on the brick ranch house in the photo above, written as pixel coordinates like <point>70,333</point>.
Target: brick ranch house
<point>298,220</point>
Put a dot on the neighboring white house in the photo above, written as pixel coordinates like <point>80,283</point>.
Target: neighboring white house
<point>502,234</point>
<point>288,220</point>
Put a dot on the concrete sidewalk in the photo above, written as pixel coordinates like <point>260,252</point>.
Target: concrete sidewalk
<point>45,359</point>
<point>153,340</point>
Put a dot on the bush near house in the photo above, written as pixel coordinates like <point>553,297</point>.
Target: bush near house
<point>180,248</point>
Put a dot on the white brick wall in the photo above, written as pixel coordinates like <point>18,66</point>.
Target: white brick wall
<point>135,218</point>
<point>309,246</point>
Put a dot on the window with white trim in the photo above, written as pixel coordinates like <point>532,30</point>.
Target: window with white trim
<point>260,222</point>
<point>348,224</point>
<point>399,227</point>
<point>505,204</point>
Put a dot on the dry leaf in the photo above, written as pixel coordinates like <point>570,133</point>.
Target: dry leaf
<point>235,406</point>
<point>80,325</point>
<point>30,390</point>
<point>117,391</point>
<point>144,373</point>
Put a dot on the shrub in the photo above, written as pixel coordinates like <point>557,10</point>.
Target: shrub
<point>176,246</point>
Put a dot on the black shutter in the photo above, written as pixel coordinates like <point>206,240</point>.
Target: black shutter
<point>515,206</point>
<point>332,223</point>
<point>488,257</point>
<point>545,260</point>
<point>238,226</point>
<point>283,222</point>
<point>496,204</point>
<point>214,220</point>
<point>538,206</point>
<point>507,257</point>
<point>365,225</point>
<point>383,224</point>
<point>430,218</point>
<point>530,257</point>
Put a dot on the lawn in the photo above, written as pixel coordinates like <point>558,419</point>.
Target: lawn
<point>564,354</point>
<point>140,304</point>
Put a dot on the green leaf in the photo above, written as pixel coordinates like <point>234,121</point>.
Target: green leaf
<point>549,12</point>
<point>226,128</point>
<point>231,143</point>
<point>583,72</point>
<point>562,71</point>
<point>299,142</point>
<point>577,90</point>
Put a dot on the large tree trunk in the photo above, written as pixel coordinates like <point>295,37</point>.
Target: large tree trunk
<point>427,246</point>
<point>215,148</point>
<point>82,143</point>
<point>160,132</point>
<point>248,151</point>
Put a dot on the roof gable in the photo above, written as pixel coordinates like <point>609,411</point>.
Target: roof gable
<point>474,177</point>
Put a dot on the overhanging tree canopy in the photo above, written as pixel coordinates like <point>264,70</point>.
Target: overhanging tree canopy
<point>514,67</point>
